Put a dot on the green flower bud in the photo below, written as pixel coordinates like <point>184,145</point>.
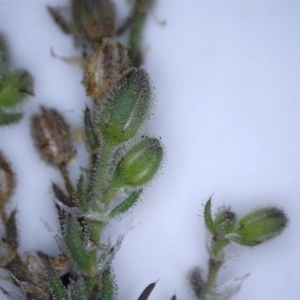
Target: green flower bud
<point>127,107</point>
<point>15,87</point>
<point>140,163</point>
<point>260,225</point>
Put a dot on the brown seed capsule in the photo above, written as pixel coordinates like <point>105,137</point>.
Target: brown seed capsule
<point>52,137</point>
<point>7,181</point>
<point>104,67</point>
<point>7,254</point>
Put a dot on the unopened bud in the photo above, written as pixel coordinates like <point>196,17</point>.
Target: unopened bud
<point>260,225</point>
<point>225,221</point>
<point>52,137</point>
<point>140,163</point>
<point>104,67</point>
<point>127,107</point>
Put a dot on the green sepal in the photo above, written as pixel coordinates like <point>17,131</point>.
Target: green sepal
<point>7,118</point>
<point>140,163</point>
<point>15,87</point>
<point>126,204</point>
<point>126,108</point>
<point>74,238</point>
<point>209,223</point>
<point>57,289</point>
<point>82,195</point>
<point>108,286</point>
<point>147,291</point>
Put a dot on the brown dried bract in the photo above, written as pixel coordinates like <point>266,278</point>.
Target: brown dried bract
<point>52,137</point>
<point>7,181</point>
<point>104,67</point>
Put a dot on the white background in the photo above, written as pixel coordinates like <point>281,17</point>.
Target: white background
<point>226,77</point>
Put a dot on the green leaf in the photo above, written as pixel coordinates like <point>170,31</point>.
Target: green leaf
<point>84,260</point>
<point>56,286</point>
<point>92,139</point>
<point>81,195</point>
<point>126,204</point>
<point>209,223</point>
<point>9,118</point>
<point>108,287</point>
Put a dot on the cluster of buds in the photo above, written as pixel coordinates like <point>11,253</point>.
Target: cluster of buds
<point>254,228</point>
<point>91,20</point>
<point>251,229</point>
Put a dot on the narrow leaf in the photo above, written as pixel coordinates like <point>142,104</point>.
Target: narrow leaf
<point>84,260</point>
<point>209,223</point>
<point>12,230</point>
<point>108,288</point>
<point>147,291</point>
<point>61,196</point>
<point>92,139</point>
<point>57,289</point>
<point>81,194</point>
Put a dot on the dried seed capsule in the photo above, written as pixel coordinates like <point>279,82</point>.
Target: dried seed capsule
<point>127,107</point>
<point>140,163</point>
<point>7,254</point>
<point>94,19</point>
<point>104,67</point>
<point>52,137</point>
<point>260,225</point>
<point>7,181</point>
